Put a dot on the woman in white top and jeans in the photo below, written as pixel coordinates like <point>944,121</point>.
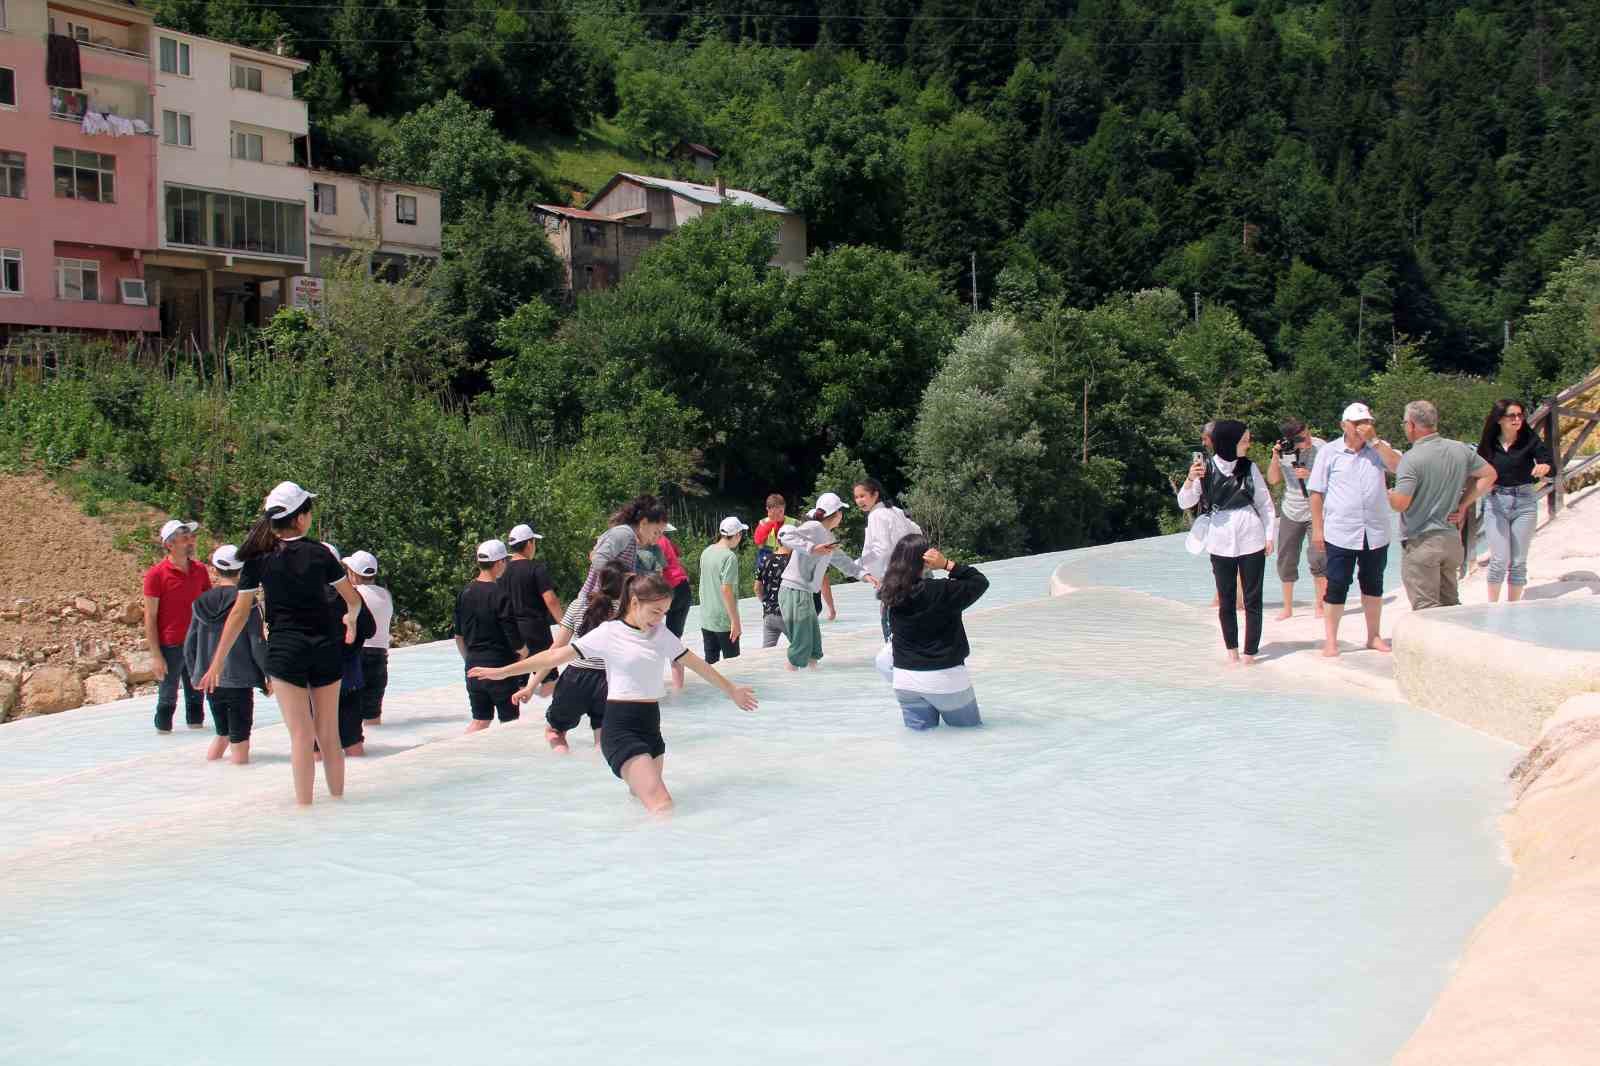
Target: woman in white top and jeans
<point>1243,526</point>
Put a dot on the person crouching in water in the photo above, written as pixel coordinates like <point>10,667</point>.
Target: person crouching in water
<point>813,551</point>
<point>1243,524</point>
<point>927,639</point>
<point>487,635</point>
<point>637,648</point>
<point>233,701</point>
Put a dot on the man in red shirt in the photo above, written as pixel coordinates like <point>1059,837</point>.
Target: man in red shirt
<point>170,589</point>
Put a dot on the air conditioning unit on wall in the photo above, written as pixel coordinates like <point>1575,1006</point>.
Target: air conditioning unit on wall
<point>133,292</point>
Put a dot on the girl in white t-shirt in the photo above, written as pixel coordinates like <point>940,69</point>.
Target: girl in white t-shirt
<point>637,648</point>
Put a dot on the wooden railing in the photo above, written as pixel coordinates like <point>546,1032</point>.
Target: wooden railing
<point>1566,465</point>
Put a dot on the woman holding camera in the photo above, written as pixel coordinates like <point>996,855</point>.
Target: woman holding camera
<point>1519,459</point>
<point>1242,526</point>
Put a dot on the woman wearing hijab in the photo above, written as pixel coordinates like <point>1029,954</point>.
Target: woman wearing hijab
<point>1243,524</point>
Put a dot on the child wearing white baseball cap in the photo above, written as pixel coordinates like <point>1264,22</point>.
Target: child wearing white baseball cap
<point>363,569</point>
<point>719,593</point>
<point>243,671</point>
<point>813,551</point>
<point>486,634</point>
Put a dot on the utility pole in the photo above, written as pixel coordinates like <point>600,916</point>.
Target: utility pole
<point>1505,343</point>
<point>1086,420</point>
<point>974,281</point>
<point>1361,323</point>
<point>1197,308</point>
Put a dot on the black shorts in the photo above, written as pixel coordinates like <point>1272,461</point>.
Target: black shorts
<point>487,698</point>
<point>579,691</point>
<point>719,645</point>
<point>631,729</point>
<point>678,613</point>
<point>302,659</point>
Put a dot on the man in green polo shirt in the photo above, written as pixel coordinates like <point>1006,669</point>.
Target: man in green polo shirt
<point>1435,483</point>
<point>719,592</point>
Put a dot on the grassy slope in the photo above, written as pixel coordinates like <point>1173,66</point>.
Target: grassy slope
<point>585,161</point>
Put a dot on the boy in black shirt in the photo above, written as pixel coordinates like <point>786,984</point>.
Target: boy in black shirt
<point>770,576</point>
<point>534,603</point>
<point>487,635</point>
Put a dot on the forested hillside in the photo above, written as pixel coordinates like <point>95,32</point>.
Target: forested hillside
<point>1172,212</point>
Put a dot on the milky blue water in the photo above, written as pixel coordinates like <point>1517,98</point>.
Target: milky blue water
<point>1140,859</point>
<point>1565,624</point>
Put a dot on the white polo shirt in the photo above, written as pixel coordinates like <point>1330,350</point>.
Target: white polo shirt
<point>636,659</point>
<point>1355,495</point>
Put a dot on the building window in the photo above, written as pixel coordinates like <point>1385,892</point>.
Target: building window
<point>239,223</point>
<point>177,128</point>
<point>78,279</point>
<point>2,14</point>
<point>13,174</point>
<point>325,198</point>
<point>247,146</point>
<point>68,103</point>
<point>8,85</point>
<point>174,57</point>
<point>86,175</point>
<point>405,209</point>
<point>247,77</point>
<point>11,270</point>
<point>76,31</point>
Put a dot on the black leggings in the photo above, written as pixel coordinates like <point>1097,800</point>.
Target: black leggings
<point>1229,569</point>
<point>678,613</point>
<point>233,711</point>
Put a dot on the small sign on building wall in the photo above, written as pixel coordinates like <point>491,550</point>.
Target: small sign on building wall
<point>305,292</point>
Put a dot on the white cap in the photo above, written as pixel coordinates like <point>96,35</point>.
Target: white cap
<point>829,503</point>
<point>1356,412</point>
<point>492,551</point>
<point>363,563</point>
<point>285,499</point>
<point>522,534</point>
<point>226,558</point>
<point>732,525</point>
<point>669,528</point>
<point>174,527</point>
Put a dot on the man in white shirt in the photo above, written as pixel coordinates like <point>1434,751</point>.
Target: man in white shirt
<point>1350,520</point>
<point>886,525</point>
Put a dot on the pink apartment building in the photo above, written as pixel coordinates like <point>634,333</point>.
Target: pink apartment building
<point>77,209</point>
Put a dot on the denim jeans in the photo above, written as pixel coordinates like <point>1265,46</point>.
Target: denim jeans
<point>922,710</point>
<point>1509,515</point>
<point>194,711</point>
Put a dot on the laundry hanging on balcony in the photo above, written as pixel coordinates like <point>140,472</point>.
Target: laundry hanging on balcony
<point>61,66</point>
<point>95,123</point>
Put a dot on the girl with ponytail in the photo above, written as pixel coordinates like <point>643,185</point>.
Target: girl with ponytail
<point>304,638</point>
<point>637,649</point>
<point>581,688</point>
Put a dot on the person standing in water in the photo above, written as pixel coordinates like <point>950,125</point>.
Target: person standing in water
<point>677,578</point>
<point>812,551</point>
<point>928,641</point>
<point>233,700</point>
<point>637,648</point>
<point>1243,525</point>
<point>581,687</point>
<point>487,635</point>
<point>303,640</point>
<point>719,593</point>
<point>886,525</point>
<point>640,522</point>
<point>534,602</point>
<point>362,567</point>
<point>170,590</point>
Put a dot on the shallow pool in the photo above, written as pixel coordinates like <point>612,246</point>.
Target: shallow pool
<point>1141,859</point>
<point>1566,624</point>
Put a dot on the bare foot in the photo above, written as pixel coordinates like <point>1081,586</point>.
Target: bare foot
<point>1249,660</point>
<point>477,726</point>
<point>1233,657</point>
<point>197,725</point>
<point>557,739</point>
<point>218,746</point>
<point>1378,644</point>
<point>356,749</point>
<point>1330,650</point>
<point>791,668</point>
<point>1284,615</point>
